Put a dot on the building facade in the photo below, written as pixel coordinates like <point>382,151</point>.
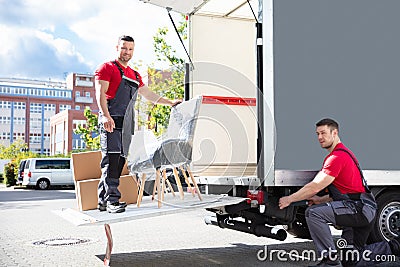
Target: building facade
<point>26,107</point>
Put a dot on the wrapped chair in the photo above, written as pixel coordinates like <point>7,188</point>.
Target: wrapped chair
<point>147,154</point>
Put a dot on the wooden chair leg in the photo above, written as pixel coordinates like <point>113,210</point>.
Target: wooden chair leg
<point>187,180</point>
<point>178,182</point>
<point>168,183</point>
<point>159,191</point>
<point>165,189</point>
<point>194,182</point>
<point>141,189</point>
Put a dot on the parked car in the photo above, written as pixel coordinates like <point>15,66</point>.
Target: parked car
<point>21,171</point>
<point>44,172</point>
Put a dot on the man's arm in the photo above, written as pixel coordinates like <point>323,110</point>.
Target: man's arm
<point>320,181</point>
<point>155,98</point>
<point>101,89</point>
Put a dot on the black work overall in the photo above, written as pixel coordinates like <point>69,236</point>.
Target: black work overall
<point>115,145</point>
<point>352,212</point>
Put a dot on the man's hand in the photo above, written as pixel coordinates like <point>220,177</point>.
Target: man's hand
<point>284,202</point>
<point>315,200</point>
<point>108,123</point>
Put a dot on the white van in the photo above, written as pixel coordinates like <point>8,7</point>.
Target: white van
<point>43,172</point>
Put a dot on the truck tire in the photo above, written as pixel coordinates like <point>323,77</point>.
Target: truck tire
<point>387,223</point>
<point>42,184</point>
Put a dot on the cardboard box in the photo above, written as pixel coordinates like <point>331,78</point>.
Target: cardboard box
<point>86,192</point>
<point>87,172</point>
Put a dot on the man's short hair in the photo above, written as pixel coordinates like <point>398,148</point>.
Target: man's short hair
<point>332,124</point>
<point>125,38</point>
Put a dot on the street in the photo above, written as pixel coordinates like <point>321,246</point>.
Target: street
<point>32,235</point>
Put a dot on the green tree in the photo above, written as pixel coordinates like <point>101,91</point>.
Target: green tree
<point>171,87</point>
<point>14,150</point>
<point>89,130</point>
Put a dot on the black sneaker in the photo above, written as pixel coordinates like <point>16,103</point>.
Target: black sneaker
<point>395,246</point>
<point>115,207</point>
<point>327,263</point>
<point>102,207</point>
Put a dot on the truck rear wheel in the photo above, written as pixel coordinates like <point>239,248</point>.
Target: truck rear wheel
<point>387,224</point>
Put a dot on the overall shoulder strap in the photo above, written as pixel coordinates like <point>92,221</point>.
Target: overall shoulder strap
<point>359,168</point>
<point>120,69</point>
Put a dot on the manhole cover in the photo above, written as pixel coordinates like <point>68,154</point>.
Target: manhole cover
<point>62,241</point>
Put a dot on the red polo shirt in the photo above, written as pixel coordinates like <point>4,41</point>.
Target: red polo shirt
<point>340,165</point>
<point>110,73</point>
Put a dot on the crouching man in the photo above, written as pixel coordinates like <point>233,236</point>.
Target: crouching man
<point>349,204</point>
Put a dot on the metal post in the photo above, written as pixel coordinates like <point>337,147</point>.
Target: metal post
<point>187,80</point>
<point>260,104</point>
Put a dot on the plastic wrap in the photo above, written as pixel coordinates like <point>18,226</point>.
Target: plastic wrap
<point>174,148</point>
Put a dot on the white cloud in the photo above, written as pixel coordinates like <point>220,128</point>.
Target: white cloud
<point>48,37</point>
<point>33,53</point>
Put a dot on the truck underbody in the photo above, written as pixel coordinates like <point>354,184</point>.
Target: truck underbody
<point>260,209</point>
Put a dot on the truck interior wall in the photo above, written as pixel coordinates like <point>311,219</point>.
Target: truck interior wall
<point>225,43</point>
<point>223,52</point>
<point>337,59</point>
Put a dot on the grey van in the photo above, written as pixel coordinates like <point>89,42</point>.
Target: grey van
<point>43,172</point>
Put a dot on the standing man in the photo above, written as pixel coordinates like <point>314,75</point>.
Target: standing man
<point>117,86</point>
<point>349,204</point>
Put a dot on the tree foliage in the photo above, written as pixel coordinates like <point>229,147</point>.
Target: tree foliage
<point>16,151</point>
<point>13,150</point>
<point>170,87</point>
<point>90,131</point>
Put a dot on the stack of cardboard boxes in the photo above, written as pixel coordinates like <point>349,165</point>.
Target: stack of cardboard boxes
<point>87,172</point>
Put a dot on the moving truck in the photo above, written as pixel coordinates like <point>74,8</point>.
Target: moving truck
<point>268,70</point>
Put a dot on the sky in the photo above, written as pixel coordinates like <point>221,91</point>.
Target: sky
<point>47,39</point>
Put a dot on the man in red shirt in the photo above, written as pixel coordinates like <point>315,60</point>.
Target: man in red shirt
<point>117,86</point>
<point>349,203</point>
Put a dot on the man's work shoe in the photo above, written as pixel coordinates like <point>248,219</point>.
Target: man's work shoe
<point>328,263</point>
<point>116,207</point>
<point>395,246</point>
<point>102,207</point>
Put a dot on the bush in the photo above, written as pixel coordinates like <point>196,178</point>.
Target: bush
<point>9,173</point>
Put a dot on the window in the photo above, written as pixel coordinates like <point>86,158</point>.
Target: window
<point>65,107</point>
<point>19,120</point>
<point>36,108</point>
<point>35,138</point>
<point>77,107</point>
<point>5,104</point>
<point>35,123</point>
<point>19,136</point>
<point>87,94</point>
<point>5,120</point>
<point>19,105</point>
<point>53,164</point>
<point>77,94</point>
<point>50,107</point>
<point>5,136</point>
